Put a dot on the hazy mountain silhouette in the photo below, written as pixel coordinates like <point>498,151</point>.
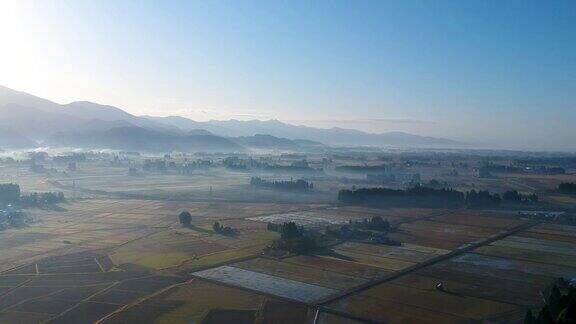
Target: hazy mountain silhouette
<point>332,136</point>
<point>10,139</point>
<point>139,138</point>
<point>39,119</point>
<point>271,142</point>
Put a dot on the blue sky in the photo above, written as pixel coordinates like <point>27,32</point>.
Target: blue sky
<point>500,72</point>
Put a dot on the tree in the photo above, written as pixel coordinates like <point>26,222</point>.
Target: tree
<point>185,218</point>
<point>559,307</point>
<point>512,195</point>
<point>9,193</point>
<point>567,188</point>
<point>291,230</point>
<point>224,230</point>
<point>378,223</point>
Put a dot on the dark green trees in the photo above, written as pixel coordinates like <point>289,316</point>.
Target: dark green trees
<point>185,219</point>
<point>559,307</point>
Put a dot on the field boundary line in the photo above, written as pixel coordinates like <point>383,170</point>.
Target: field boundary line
<point>99,265</point>
<point>346,315</point>
<point>460,250</point>
<point>220,264</point>
<point>30,299</point>
<point>16,287</point>
<point>257,292</point>
<point>87,299</point>
<point>141,300</point>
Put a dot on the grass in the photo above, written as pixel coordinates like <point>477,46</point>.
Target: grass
<point>218,258</point>
<point>450,304</point>
<point>375,261</point>
<point>151,260</point>
<point>199,297</point>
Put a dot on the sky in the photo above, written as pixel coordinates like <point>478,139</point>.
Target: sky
<point>497,72</point>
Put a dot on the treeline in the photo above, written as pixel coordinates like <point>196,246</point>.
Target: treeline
<point>376,223</point>
<point>292,185</point>
<point>363,168</point>
<point>416,196</point>
<point>297,239</point>
<point>538,169</point>
<point>70,158</point>
<point>372,230</point>
<point>10,194</point>
<point>429,197</point>
<point>40,199</point>
<point>568,188</point>
<point>289,168</point>
<point>185,168</point>
<point>515,196</point>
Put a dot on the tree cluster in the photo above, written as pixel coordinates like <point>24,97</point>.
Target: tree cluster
<point>550,170</point>
<point>567,188</point>
<point>185,219</point>
<point>224,230</point>
<point>191,167</point>
<point>435,184</point>
<point>76,157</point>
<point>372,230</point>
<point>154,165</point>
<point>363,168</point>
<point>376,223</point>
<point>10,193</point>
<point>292,185</point>
<point>13,219</point>
<point>289,168</point>
<point>293,238</point>
<point>416,196</point>
<point>482,198</point>
<point>559,307</point>
<point>498,168</point>
<point>421,196</point>
<point>515,196</point>
<point>41,199</point>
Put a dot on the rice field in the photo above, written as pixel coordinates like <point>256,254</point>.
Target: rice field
<point>117,245</point>
<point>324,278</point>
<point>267,284</point>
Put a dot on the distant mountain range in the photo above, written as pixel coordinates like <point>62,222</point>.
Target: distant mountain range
<point>13,140</point>
<point>332,136</point>
<point>26,120</point>
<point>143,139</point>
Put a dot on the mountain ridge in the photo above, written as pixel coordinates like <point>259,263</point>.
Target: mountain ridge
<point>39,118</point>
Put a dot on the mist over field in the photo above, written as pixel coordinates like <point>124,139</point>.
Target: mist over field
<point>301,162</point>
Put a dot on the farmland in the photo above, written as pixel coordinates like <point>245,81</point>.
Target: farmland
<point>115,251</point>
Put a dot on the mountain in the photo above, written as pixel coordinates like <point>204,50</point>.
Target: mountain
<point>93,111</point>
<point>199,132</point>
<point>186,124</point>
<point>138,138</point>
<point>13,140</point>
<point>331,136</point>
<point>262,141</point>
<point>9,96</point>
<point>39,119</point>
